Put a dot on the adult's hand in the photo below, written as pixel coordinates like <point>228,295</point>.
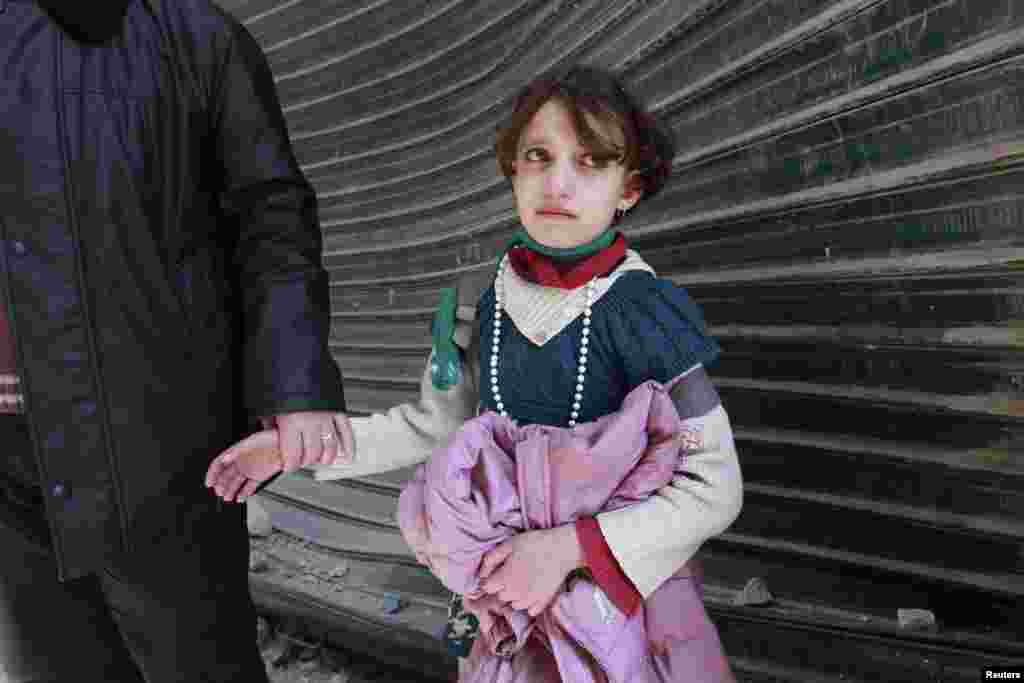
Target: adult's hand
<point>528,570</point>
<point>235,474</point>
<point>313,438</point>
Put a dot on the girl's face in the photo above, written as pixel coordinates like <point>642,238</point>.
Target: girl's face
<point>565,196</point>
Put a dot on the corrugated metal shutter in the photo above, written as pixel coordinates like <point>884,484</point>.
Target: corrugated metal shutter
<point>846,206</point>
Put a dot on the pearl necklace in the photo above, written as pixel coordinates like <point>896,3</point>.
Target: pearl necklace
<point>581,366</point>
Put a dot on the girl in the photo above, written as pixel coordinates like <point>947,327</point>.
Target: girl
<point>571,326</point>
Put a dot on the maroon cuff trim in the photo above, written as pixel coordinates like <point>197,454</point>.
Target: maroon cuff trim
<point>605,568</point>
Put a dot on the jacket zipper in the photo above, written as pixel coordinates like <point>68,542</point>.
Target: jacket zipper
<point>72,216</point>
<point>186,275</point>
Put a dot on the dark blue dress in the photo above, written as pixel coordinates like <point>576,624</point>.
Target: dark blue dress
<point>642,328</point>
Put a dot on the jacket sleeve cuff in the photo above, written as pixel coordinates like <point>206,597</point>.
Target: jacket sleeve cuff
<point>304,403</point>
<point>605,568</point>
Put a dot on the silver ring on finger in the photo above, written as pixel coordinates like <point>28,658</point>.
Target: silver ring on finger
<point>327,437</point>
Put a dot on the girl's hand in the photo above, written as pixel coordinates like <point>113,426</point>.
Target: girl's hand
<point>528,570</point>
<point>481,609</point>
<point>236,473</point>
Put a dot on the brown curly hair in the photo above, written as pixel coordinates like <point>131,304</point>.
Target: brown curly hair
<point>649,144</point>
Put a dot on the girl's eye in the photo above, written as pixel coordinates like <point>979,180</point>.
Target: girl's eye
<point>535,154</point>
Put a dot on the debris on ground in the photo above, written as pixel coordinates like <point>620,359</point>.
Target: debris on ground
<point>258,562</point>
<point>294,657</point>
<point>257,519</point>
<point>915,619</point>
<point>754,593</point>
<point>392,603</point>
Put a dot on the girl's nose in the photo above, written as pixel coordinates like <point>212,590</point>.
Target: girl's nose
<point>560,179</point>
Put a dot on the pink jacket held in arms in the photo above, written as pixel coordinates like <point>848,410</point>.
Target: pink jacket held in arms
<point>496,479</point>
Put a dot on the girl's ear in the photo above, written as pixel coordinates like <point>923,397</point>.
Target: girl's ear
<point>632,192</point>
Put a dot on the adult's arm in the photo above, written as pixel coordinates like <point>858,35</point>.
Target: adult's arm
<point>277,255</point>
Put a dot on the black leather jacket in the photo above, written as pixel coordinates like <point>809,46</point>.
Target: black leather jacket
<point>160,250</point>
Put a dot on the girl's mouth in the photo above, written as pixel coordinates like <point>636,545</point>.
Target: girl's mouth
<point>561,213</point>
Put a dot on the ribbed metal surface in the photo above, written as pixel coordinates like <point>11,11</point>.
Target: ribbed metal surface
<point>846,206</point>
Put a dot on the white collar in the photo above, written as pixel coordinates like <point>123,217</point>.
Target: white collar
<point>541,312</point>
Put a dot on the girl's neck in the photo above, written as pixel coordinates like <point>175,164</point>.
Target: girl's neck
<point>564,254</point>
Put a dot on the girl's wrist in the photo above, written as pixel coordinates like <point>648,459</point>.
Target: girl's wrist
<point>574,555</point>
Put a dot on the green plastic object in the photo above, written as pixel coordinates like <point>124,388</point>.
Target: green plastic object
<point>446,368</point>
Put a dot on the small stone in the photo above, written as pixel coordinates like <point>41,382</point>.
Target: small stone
<point>264,632</point>
<point>258,562</point>
<point>339,571</point>
<point>277,653</point>
<point>392,604</point>
<point>754,593</point>
<point>915,619</point>
<point>334,660</point>
<point>257,518</point>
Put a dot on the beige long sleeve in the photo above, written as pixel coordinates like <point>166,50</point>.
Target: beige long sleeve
<point>651,540</point>
<point>408,433</point>
<point>654,538</point>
